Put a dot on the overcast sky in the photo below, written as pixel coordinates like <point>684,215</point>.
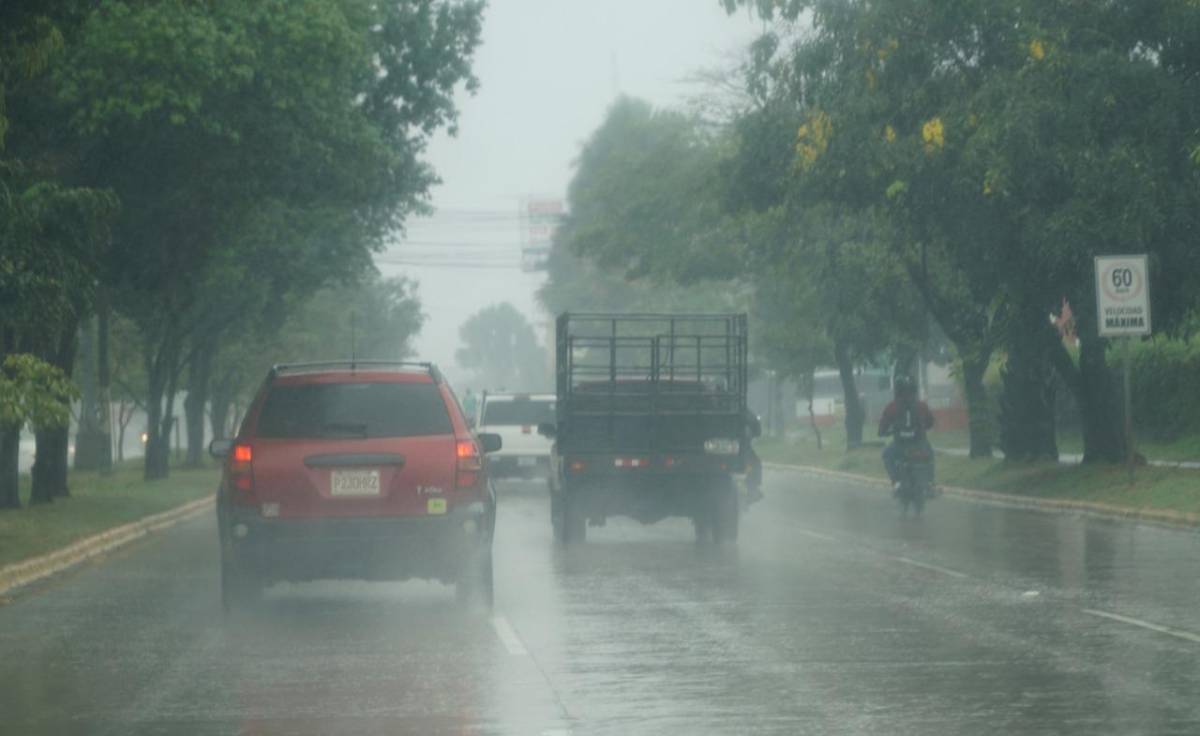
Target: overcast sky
<point>548,70</point>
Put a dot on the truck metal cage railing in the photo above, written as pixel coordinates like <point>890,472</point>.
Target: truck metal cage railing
<point>289,369</point>
<point>611,366</point>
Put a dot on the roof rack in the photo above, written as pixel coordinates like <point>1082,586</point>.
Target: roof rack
<point>282,369</point>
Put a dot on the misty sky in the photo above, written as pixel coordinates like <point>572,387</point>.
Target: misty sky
<point>548,70</point>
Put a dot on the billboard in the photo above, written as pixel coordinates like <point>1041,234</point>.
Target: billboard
<point>541,218</point>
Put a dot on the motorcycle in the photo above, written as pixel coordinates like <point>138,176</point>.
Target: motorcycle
<point>915,472</point>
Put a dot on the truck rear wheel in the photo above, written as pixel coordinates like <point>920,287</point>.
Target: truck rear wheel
<point>725,511</point>
<point>574,521</point>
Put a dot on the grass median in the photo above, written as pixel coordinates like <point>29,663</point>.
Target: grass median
<point>97,503</point>
<point>1184,449</point>
<point>1167,489</point>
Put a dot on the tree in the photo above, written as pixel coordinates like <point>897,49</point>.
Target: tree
<point>258,149</point>
<point>36,393</point>
<point>855,295</point>
<point>371,318</point>
<point>52,232</point>
<point>500,346</point>
<point>644,199</point>
<point>1006,143</point>
<point>128,376</point>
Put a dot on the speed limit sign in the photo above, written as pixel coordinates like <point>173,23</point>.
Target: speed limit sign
<point>1122,296</point>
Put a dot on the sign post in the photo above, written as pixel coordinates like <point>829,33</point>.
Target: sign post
<point>1123,310</point>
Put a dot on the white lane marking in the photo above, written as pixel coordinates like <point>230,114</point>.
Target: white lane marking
<point>934,568</point>
<point>816,535</point>
<point>1187,635</point>
<point>508,637</point>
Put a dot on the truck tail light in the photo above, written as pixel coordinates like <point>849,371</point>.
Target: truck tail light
<point>632,462</point>
<point>470,464</point>
<point>241,467</point>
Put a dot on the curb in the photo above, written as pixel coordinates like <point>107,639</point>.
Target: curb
<point>1161,517</point>
<point>20,574</point>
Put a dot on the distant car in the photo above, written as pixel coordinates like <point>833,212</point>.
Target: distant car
<point>358,470</point>
<point>515,417</point>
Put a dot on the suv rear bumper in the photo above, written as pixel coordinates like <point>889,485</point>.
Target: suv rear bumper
<point>356,548</point>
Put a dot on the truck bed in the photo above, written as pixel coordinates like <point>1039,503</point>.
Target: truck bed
<point>649,383</point>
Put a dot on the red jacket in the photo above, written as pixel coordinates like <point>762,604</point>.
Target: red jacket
<point>892,413</point>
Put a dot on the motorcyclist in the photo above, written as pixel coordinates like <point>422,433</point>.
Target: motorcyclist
<point>906,416</point>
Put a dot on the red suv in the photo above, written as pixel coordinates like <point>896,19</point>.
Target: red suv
<point>363,470</point>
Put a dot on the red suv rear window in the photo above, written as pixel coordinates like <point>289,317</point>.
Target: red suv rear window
<point>353,410</point>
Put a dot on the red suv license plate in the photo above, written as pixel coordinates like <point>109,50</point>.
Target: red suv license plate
<point>354,483</point>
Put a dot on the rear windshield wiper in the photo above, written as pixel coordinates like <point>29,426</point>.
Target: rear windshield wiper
<point>345,428</point>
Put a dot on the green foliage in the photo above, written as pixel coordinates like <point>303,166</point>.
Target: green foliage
<point>35,393</point>
<point>260,151</point>
<point>51,239</point>
<point>370,318</point>
<point>577,284</point>
<point>501,347</point>
<point>644,199</point>
<point>1002,145</point>
<point>1166,388</point>
<point>52,235</point>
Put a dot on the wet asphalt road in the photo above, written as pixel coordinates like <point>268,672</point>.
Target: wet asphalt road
<point>833,615</point>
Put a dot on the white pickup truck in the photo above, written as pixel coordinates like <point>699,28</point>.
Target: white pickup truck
<point>515,417</point>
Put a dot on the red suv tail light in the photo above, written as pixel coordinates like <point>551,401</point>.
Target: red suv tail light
<point>470,464</point>
<point>241,467</point>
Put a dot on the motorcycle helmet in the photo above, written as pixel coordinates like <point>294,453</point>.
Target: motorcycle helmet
<point>904,387</point>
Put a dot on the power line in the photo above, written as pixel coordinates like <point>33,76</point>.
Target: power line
<point>454,244</point>
<point>465,264</point>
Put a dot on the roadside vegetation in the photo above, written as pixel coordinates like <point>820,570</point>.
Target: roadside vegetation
<point>98,502</point>
<point>883,184</point>
<point>1167,489</point>
<point>190,191</point>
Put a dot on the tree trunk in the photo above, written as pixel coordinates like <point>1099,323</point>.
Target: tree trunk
<point>122,423</point>
<point>979,405</point>
<point>199,372</point>
<point>49,476</point>
<point>87,436</point>
<point>1027,429</point>
<point>93,440</point>
<point>219,413</point>
<point>10,477</point>
<point>10,444</point>
<point>855,414</point>
<point>1097,397</point>
<point>104,377</point>
<point>777,401</point>
<point>158,422</point>
<point>809,386</point>
<point>1103,428</point>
